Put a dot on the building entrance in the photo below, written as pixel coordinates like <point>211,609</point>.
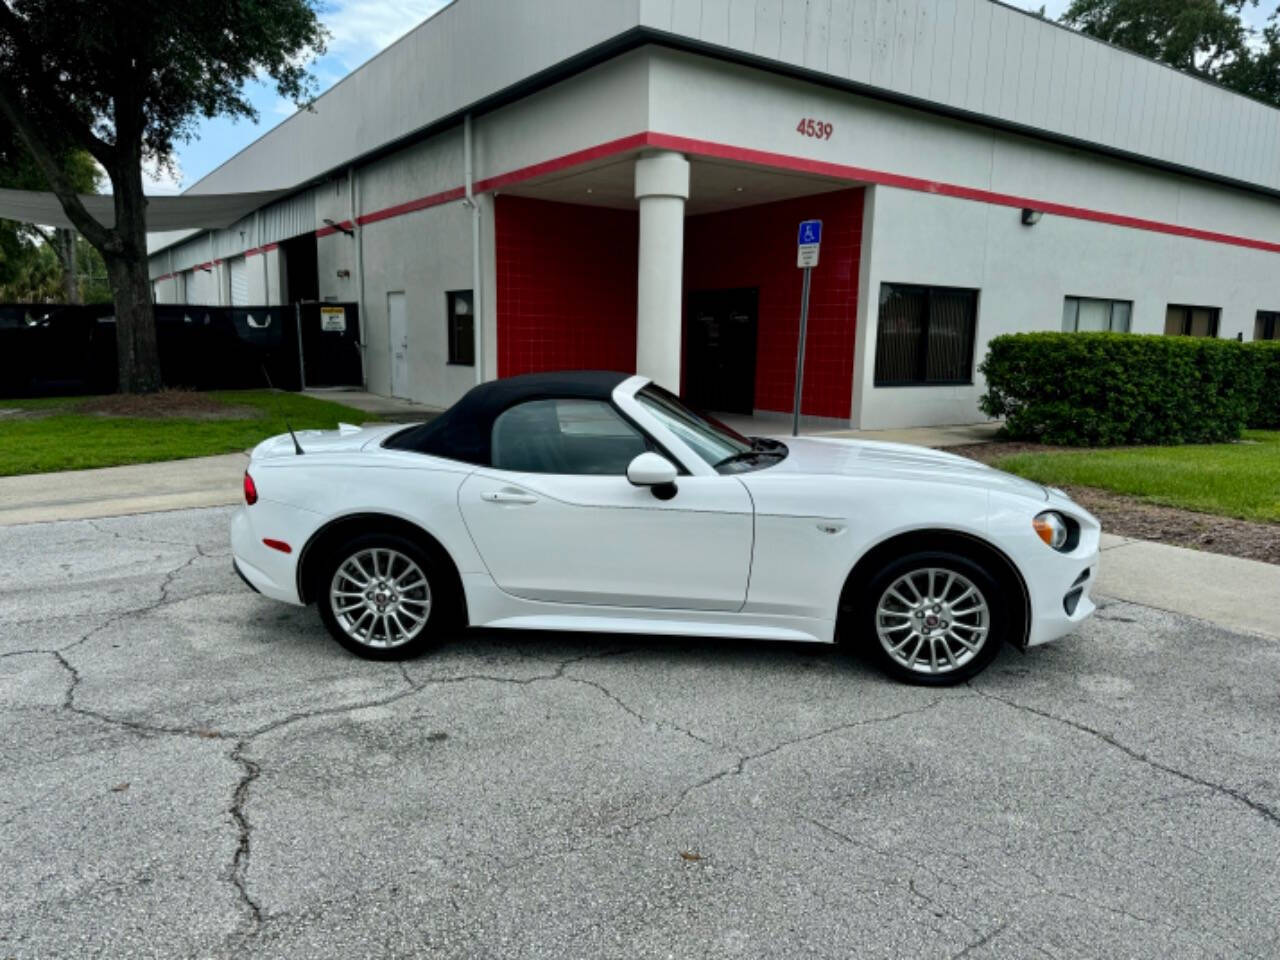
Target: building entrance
<point>720,350</point>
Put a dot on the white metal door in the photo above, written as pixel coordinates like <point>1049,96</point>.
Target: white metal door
<point>398,332</point>
<point>239,282</point>
<point>600,540</point>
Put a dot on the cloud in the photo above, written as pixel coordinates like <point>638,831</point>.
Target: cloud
<point>360,28</point>
<point>160,181</point>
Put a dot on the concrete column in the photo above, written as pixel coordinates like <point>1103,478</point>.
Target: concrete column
<point>662,186</point>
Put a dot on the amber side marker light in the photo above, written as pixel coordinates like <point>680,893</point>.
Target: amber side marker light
<point>277,545</point>
<point>1052,529</point>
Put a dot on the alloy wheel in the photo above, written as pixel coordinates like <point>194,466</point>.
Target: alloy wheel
<point>380,598</point>
<point>932,620</point>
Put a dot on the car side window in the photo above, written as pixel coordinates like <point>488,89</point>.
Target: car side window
<point>565,436</point>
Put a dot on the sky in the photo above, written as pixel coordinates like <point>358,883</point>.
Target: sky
<point>358,29</point>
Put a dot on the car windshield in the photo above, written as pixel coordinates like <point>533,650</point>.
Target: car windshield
<point>719,445</point>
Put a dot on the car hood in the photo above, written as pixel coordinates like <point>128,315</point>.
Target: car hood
<point>346,439</point>
<point>895,461</point>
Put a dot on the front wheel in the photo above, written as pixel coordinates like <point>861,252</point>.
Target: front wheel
<point>934,618</point>
<point>382,597</point>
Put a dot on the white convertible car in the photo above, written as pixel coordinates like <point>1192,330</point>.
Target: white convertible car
<point>598,501</point>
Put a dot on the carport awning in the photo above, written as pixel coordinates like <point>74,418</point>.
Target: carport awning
<point>182,212</point>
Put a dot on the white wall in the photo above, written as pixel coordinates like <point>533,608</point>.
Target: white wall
<point>990,59</point>
<point>706,99</point>
<point>1023,273</point>
<point>202,287</point>
<point>976,56</point>
<point>423,254</point>
<point>470,50</point>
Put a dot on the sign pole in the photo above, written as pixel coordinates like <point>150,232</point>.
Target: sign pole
<point>808,243</point>
<point>297,323</point>
<point>804,329</point>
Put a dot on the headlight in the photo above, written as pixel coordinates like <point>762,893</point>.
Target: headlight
<point>1051,527</point>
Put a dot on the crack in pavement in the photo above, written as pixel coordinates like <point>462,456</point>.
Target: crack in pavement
<point>746,758</point>
<point>660,724</point>
<point>115,534</point>
<point>237,872</point>
<point>1232,793</point>
<point>982,941</point>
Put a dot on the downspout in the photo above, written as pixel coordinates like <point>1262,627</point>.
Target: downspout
<point>477,311</point>
<point>357,234</point>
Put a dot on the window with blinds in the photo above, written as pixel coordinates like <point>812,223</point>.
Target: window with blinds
<point>1181,320</point>
<point>925,335</point>
<point>1093,315</point>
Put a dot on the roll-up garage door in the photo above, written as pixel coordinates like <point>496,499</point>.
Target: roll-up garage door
<point>239,282</point>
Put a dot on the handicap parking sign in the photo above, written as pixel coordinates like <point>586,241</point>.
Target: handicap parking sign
<point>807,243</point>
<point>810,232</point>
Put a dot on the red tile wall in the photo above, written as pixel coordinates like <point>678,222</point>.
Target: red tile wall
<point>566,286</point>
<point>756,247</point>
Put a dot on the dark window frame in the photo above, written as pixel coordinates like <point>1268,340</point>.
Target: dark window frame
<point>1187,310</point>
<point>1266,325</point>
<point>462,349</point>
<point>922,357</point>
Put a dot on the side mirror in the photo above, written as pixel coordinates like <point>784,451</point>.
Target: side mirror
<point>655,472</point>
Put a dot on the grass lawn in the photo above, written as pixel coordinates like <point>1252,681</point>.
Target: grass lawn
<point>1233,479</point>
<point>66,433</point>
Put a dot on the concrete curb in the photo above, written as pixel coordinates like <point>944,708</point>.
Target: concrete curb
<point>118,491</point>
<point>1227,591</point>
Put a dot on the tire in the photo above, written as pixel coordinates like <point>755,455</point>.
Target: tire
<point>373,601</point>
<point>952,637</point>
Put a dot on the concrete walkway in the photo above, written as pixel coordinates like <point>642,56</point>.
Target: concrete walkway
<point>387,409</point>
<point>778,425</point>
<point>117,491</point>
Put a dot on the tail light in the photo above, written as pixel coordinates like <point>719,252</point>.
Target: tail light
<point>250,491</point>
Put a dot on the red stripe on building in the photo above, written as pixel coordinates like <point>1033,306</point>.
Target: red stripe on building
<point>765,158</point>
<point>782,161</point>
<point>334,228</point>
<point>400,209</point>
<point>578,157</point>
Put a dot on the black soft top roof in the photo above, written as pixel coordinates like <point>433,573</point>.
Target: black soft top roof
<point>462,432</point>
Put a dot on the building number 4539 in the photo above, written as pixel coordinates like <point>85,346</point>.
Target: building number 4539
<point>815,128</point>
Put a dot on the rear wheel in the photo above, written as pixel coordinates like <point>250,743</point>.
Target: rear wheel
<point>933,618</point>
<point>382,597</point>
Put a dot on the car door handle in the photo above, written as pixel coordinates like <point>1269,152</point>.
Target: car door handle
<point>504,496</point>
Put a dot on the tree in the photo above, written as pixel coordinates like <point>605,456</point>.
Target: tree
<point>21,244</point>
<point>1209,38</point>
<point>124,80</point>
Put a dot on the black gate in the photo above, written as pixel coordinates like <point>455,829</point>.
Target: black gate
<point>329,338</point>
<point>60,349</point>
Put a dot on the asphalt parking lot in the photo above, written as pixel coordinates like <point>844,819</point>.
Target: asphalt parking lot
<point>191,770</point>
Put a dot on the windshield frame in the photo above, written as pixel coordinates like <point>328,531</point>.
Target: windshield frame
<point>717,447</point>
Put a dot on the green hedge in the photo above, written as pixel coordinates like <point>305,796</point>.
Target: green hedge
<point>1103,389</point>
<point>1267,415</point>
